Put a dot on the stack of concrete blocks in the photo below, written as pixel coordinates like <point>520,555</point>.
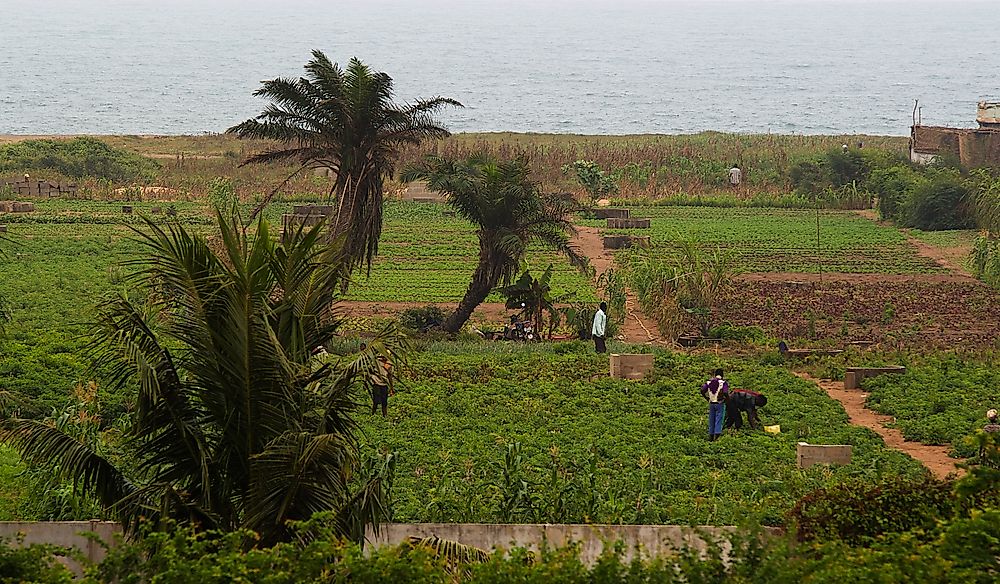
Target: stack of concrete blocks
<point>42,188</point>
<point>631,366</point>
<point>306,216</point>
<point>854,375</point>
<point>16,207</point>
<point>612,213</point>
<point>418,192</point>
<point>810,454</point>
<point>618,223</point>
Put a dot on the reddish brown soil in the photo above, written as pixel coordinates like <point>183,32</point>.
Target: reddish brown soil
<point>637,328</point>
<point>949,258</point>
<point>935,458</point>
<point>921,314</point>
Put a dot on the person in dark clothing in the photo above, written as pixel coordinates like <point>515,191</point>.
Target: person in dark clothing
<point>744,400</point>
<point>715,391</point>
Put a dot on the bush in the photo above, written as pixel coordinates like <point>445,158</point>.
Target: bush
<point>34,563</point>
<point>893,186</point>
<point>858,511</point>
<point>938,204</point>
<point>422,319</point>
<point>77,158</point>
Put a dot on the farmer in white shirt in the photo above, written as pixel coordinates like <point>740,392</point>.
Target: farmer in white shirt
<point>735,176</point>
<point>600,326</point>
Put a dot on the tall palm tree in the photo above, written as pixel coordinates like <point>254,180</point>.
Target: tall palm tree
<point>345,121</point>
<point>235,424</point>
<point>510,213</point>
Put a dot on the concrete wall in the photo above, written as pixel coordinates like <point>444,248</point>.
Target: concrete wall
<point>649,539</point>
<point>64,534</point>
<point>972,147</point>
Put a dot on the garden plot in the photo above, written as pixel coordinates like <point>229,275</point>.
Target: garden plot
<point>785,240</point>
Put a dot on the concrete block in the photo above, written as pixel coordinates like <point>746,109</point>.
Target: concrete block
<point>3,229</point>
<point>22,207</point>
<point>127,209</point>
<point>6,206</point>
<point>631,366</point>
<point>320,210</point>
<point>855,375</point>
<point>156,210</point>
<point>809,454</point>
<point>417,191</point>
<point>615,223</point>
<point>612,213</point>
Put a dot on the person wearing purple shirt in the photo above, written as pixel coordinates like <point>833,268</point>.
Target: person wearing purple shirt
<point>716,392</point>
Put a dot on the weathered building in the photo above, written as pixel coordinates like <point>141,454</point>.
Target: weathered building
<point>974,147</point>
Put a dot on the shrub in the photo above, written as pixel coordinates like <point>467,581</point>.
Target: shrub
<point>33,563</point>
<point>938,204</point>
<point>857,511</point>
<point>422,319</point>
<point>892,186</point>
<point>77,158</point>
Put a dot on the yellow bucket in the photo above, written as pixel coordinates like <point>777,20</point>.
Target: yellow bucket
<point>773,429</point>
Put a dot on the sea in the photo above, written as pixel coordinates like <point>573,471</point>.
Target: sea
<point>560,66</point>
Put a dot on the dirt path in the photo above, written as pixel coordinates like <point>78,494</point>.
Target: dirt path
<point>935,458</point>
<point>949,258</point>
<point>636,328</point>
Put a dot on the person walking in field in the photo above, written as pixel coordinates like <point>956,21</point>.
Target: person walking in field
<point>600,327</point>
<point>744,400</point>
<point>382,385</point>
<point>735,176</point>
<point>715,391</point>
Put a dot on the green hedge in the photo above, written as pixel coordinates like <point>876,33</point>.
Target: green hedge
<point>77,158</point>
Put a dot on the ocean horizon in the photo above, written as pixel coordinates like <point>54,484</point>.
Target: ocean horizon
<point>583,67</point>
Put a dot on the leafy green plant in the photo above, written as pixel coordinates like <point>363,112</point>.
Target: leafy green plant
<point>534,298</point>
<point>598,183</point>
<point>235,424</point>
<point>422,319</point>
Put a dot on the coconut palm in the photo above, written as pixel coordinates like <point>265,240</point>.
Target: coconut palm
<point>510,213</point>
<point>235,424</point>
<point>345,121</point>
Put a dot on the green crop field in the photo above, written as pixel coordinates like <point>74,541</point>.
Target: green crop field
<point>940,401</point>
<point>63,258</point>
<point>785,240</point>
<point>594,449</point>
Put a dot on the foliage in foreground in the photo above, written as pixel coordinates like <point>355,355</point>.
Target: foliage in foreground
<point>962,550</point>
<point>234,424</point>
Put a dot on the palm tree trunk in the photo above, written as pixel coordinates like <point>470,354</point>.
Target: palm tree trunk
<point>483,282</point>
